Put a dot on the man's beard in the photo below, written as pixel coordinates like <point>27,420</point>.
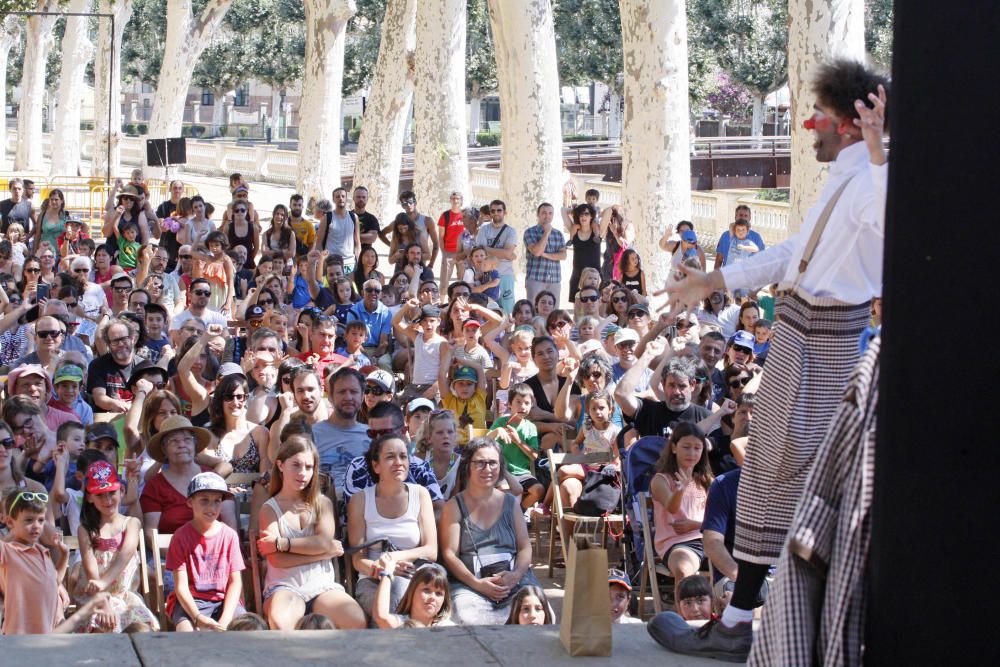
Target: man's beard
<point>343,414</point>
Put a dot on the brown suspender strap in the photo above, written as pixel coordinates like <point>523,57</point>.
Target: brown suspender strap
<point>824,217</point>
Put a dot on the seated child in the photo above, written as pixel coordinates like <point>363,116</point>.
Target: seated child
<point>205,557</point>
<point>426,602</point>
<point>694,598</point>
<point>598,435</point>
<point>620,590</point>
<point>530,607</point>
<point>29,577</point>
<point>466,397</point>
<point>519,442</point>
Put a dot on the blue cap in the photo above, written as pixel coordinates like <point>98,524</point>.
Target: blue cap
<point>744,339</point>
<point>689,236</point>
<point>465,373</point>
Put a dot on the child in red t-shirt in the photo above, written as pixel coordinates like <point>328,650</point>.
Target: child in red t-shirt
<point>205,558</point>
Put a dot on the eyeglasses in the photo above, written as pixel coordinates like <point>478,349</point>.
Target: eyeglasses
<point>120,341</point>
<point>589,299</point>
<point>28,496</point>
<point>51,333</point>
<point>483,464</point>
<point>739,382</point>
<point>201,292</point>
<point>8,443</point>
<point>376,432</point>
<point>744,350</point>
<point>375,391</point>
<point>235,398</point>
<point>372,290</point>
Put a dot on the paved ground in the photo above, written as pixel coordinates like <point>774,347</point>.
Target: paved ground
<point>503,645</point>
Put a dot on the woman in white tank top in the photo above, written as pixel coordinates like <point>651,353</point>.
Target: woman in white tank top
<point>297,538</point>
<point>392,510</point>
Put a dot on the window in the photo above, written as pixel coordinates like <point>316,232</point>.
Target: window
<point>146,88</point>
<point>242,95</point>
<point>207,98</point>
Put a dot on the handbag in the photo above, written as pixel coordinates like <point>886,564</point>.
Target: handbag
<point>602,492</point>
<point>489,565</point>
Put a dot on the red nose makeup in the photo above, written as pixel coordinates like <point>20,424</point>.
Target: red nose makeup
<point>809,123</point>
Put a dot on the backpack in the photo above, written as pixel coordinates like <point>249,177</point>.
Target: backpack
<point>602,492</point>
<point>329,219</point>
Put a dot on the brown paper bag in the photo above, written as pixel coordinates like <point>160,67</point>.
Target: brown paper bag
<point>586,618</point>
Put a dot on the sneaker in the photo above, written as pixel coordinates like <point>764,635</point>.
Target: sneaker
<point>712,640</point>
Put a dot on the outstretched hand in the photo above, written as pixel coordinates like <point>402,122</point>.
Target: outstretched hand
<point>872,123</point>
<point>695,286</point>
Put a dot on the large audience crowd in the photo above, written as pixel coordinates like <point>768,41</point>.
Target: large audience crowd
<point>365,401</point>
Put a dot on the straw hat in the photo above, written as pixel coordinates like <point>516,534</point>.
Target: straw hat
<point>172,425</point>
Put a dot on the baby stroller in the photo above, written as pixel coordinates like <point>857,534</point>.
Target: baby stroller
<point>639,464</point>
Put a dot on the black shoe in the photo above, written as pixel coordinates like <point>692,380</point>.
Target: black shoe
<point>712,640</point>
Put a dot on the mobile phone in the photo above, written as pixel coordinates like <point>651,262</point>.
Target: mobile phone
<point>43,292</point>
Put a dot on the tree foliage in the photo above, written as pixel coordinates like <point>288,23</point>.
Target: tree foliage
<point>480,61</point>
<point>364,34</point>
<point>878,32</point>
<point>588,41</point>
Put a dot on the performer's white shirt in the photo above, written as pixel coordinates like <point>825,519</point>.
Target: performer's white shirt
<point>847,264</point>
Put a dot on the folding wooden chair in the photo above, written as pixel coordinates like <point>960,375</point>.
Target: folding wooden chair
<point>256,571</point>
<point>342,565</point>
<point>160,543</point>
<point>651,565</point>
<point>560,514</point>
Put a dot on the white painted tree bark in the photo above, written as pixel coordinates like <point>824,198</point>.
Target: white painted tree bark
<point>77,50</point>
<point>818,32</point>
<point>108,85</point>
<point>524,42</point>
<point>319,122</point>
<point>656,163</point>
<point>38,43</point>
<point>440,148</point>
<point>380,147</point>
<point>10,34</point>
<point>186,38</point>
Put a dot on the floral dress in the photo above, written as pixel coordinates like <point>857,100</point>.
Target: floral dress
<point>126,602</point>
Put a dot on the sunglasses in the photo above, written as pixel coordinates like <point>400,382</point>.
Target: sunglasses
<point>8,443</point>
<point>372,290</point>
<point>635,314</point>
<point>408,202</point>
<point>375,391</point>
<point>239,210</point>
<point>81,270</point>
<point>265,302</point>
<point>51,333</point>
<point>122,289</point>
<point>28,496</point>
<point>32,270</point>
<point>376,432</point>
<point>744,350</point>
<point>619,299</point>
<point>589,299</point>
<point>739,382</point>
<point>235,398</point>
<point>158,385</point>
<point>201,292</point>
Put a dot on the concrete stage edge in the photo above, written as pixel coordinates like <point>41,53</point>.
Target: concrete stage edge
<point>483,645</point>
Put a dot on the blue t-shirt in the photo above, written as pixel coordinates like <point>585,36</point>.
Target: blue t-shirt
<point>300,293</point>
<point>720,510</point>
<point>379,322</point>
<point>723,247</point>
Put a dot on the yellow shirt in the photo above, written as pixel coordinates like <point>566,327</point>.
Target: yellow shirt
<point>472,409</point>
<point>305,232</point>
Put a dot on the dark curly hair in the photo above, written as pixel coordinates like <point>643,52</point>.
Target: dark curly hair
<point>839,83</point>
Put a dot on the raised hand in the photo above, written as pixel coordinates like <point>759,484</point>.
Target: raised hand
<point>872,123</point>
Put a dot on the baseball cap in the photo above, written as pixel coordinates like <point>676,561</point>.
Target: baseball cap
<point>102,478</point>
<point>612,330</point>
<point>208,481</point>
<point>121,275</point>
<point>69,373</point>
<point>99,430</point>
<point>229,368</point>
<point>418,404</point>
<point>382,378</point>
<point>744,339</point>
<point>589,346</point>
<point>619,578</point>
<point>626,335</point>
<point>255,311</point>
<point>689,236</point>
<point>73,221</point>
<point>472,323</point>
<point>466,373</point>
<point>428,311</point>
<point>638,306</point>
